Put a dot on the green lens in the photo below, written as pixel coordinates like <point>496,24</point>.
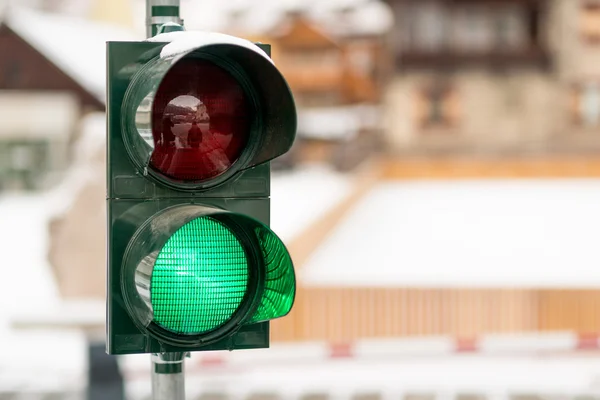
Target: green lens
<point>280,281</point>
<point>199,279</point>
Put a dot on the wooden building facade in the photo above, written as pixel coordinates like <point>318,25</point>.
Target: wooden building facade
<point>346,314</point>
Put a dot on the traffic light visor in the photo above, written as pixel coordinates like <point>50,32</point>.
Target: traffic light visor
<point>193,119</point>
<point>194,274</point>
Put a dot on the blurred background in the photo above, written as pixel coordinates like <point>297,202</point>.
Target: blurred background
<point>441,202</point>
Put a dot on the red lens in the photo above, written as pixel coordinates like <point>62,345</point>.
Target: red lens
<point>200,122</point>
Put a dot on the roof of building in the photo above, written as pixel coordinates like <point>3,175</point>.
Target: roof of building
<point>77,46</point>
<point>301,196</point>
<point>503,234</point>
<point>337,17</point>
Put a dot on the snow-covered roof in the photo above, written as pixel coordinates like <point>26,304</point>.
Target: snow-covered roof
<point>77,46</point>
<point>339,17</point>
<point>355,18</point>
<point>302,196</point>
<point>521,233</point>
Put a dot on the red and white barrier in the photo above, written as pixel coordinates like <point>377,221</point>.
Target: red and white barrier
<point>383,349</point>
<point>410,347</point>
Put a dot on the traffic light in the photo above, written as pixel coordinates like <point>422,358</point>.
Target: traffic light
<point>192,126</point>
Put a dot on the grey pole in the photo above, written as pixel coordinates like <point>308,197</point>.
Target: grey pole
<point>168,380</point>
<point>159,12</point>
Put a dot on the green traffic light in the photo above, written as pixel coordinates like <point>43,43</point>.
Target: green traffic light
<point>199,279</point>
<point>193,274</point>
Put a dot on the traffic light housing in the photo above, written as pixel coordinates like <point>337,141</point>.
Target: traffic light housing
<point>192,126</point>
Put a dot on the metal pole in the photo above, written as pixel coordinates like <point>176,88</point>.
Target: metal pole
<point>168,380</point>
<point>159,12</point>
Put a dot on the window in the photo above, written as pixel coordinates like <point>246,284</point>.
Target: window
<point>585,104</point>
<point>213,396</point>
<point>590,22</point>
<point>473,29</point>
<point>4,157</point>
<point>419,396</point>
<point>471,396</point>
<point>22,157</point>
<point>263,396</point>
<point>437,106</point>
<point>367,396</point>
<point>361,60</point>
<point>318,99</point>
<point>25,164</point>
<point>510,27</point>
<point>311,58</point>
<point>12,74</point>
<point>315,396</point>
<point>590,105</point>
<point>427,26</point>
<point>526,397</point>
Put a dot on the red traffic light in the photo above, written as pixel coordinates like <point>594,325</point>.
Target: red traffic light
<point>201,121</point>
<point>198,114</point>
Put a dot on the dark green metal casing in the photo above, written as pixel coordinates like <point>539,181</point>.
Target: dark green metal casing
<point>133,197</point>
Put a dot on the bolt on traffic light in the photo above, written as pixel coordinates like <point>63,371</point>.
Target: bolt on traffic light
<point>192,126</point>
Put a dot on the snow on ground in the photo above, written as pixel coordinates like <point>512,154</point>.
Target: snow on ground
<point>300,197</point>
<point>27,283</point>
<point>393,378</point>
<point>28,289</point>
<point>27,279</point>
<point>519,233</point>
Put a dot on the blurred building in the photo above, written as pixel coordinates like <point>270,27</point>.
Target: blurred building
<point>51,75</point>
<point>460,257</point>
<point>337,82</point>
<point>450,92</point>
<point>494,76</point>
<point>335,60</point>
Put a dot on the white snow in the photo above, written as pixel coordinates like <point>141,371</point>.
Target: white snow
<point>183,42</point>
<point>338,16</point>
<point>27,280</point>
<point>88,165</point>
<point>435,374</point>
<point>92,139</point>
<point>443,376</point>
<point>522,233</point>
<point>300,197</point>
<point>44,358</point>
<point>76,46</point>
<point>365,18</point>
